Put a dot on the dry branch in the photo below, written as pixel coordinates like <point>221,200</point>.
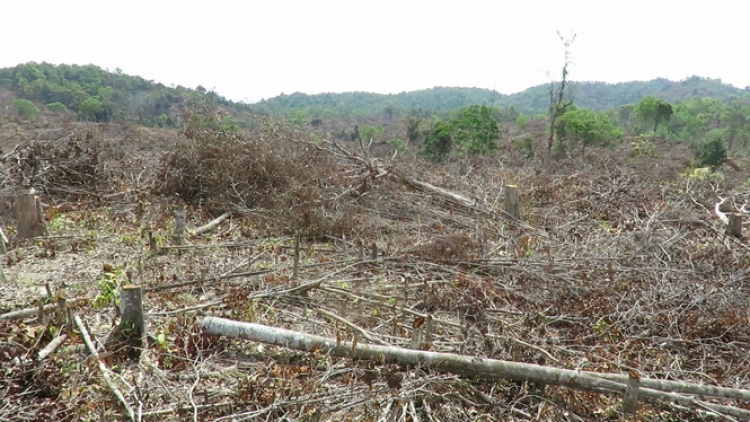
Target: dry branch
<point>103,368</point>
<point>27,312</point>
<point>717,209</point>
<point>210,225</point>
<point>474,367</point>
<point>51,347</point>
<point>443,194</point>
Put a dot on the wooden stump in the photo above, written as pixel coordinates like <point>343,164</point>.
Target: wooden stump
<point>734,226</point>
<point>30,216</point>
<point>511,202</point>
<point>180,218</point>
<point>630,402</point>
<point>130,334</point>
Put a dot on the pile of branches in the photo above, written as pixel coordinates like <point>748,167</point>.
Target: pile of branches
<point>75,164</point>
<point>285,183</point>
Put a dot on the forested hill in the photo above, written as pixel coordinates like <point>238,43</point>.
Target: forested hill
<point>92,93</point>
<point>591,95</point>
<point>96,94</point>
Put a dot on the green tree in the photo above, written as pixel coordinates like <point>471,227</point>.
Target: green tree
<point>57,107</point>
<point>439,142</point>
<point>653,110</point>
<point>522,120</point>
<point>90,108</point>
<point>736,118</point>
<point>370,133</point>
<point>712,153</point>
<point>412,129</point>
<point>587,128</point>
<point>623,114</point>
<point>476,131</point>
<point>24,108</point>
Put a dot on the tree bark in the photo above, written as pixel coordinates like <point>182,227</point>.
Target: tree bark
<point>30,216</point>
<point>474,367</point>
<point>130,333</point>
<point>511,202</point>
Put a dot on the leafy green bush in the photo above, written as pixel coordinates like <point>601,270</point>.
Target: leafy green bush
<point>522,121</point>
<point>90,108</point>
<point>397,144</point>
<point>476,131</point>
<point>24,108</point>
<point>370,133</point>
<point>439,142</point>
<point>712,153</point>
<point>57,107</point>
<point>587,128</point>
<point>644,147</point>
<point>525,147</point>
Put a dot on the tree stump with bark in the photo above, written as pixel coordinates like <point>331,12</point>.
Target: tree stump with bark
<point>30,216</point>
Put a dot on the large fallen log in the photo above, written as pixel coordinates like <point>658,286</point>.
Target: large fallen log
<point>469,366</point>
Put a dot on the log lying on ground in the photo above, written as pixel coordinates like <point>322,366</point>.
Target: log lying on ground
<point>468,366</point>
<point>443,193</point>
<point>210,225</point>
<point>25,313</point>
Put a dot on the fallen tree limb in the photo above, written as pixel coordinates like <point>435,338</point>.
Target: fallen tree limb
<point>103,368</point>
<point>442,193</point>
<point>25,313</point>
<point>717,209</point>
<point>682,387</point>
<point>474,367</point>
<point>51,347</point>
<point>210,225</point>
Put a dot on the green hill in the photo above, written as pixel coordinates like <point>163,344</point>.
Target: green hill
<point>592,95</point>
<point>96,94</point>
<point>100,95</point>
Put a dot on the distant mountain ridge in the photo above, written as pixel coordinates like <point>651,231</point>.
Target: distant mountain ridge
<point>592,95</point>
<point>101,95</point>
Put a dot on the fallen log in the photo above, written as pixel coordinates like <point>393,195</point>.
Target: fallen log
<point>443,194</point>
<point>51,347</point>
<point>469,366</point>
<point>210,225</point>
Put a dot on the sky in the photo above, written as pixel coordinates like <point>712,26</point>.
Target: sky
<point>247,50</point>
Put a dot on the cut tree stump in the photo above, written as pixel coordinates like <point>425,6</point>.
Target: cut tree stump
<point>180,218</point>
<point>734,225</point>
<point>130,334</point>
<point>511,202</point>
<point>30,216</point>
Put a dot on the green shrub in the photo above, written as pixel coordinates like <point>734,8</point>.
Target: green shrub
<point>525,147</point>
<point>438,143</point>
<point>24,108</point>
<point>476,131</point>
<point>57,107</point>
<point>712,153</point>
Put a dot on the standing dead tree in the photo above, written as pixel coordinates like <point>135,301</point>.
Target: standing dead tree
<point>560,97</point>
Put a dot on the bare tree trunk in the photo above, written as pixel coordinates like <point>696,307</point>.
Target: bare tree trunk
<point>475,367</point>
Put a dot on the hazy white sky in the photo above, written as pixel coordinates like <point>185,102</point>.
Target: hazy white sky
<point>253,49</point>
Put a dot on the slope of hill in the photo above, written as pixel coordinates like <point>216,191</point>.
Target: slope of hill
<point>99,95</point>
<point>96,94</point>
<point>592,95</point>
